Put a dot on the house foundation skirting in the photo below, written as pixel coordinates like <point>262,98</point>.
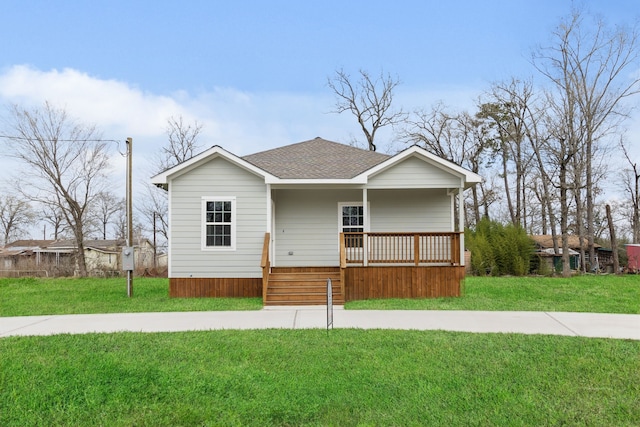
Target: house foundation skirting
<point>192,287</point>
<point>403,282</point>
<point>359,283</point>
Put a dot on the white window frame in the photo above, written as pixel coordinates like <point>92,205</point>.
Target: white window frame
<point>364,213</point>
<point>203,230</point>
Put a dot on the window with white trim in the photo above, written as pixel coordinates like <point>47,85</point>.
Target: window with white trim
<point>219,223</point>
<point>352,220</point>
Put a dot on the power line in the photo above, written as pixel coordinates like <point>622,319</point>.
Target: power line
<point>24,138</point>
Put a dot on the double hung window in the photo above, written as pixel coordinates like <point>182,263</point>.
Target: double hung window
<point>219,223</point>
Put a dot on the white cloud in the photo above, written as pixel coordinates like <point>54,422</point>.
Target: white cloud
<point>240,121</point>
<point>112,105</point>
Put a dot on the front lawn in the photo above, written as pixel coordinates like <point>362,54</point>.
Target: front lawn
<point>318,378</point>
<point>601,294</point>
<point>589,293</point>
<point>38,296</point>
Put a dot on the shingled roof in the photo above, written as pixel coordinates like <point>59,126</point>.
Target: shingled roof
<point>546,241</point>
<point>316,159</point>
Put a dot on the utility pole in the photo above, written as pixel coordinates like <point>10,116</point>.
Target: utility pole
<point>155,248</point>
<point>130,266</point>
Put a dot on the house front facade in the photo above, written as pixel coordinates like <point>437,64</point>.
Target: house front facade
<point>275,221</point>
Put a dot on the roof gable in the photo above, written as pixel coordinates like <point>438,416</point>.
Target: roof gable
<point>162,178</point>
<point>467,177</point>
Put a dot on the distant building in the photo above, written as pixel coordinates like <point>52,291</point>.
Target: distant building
<point>103,257</point>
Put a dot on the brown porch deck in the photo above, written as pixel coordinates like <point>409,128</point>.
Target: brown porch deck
<point>372,265</point>
<point>400,265</point>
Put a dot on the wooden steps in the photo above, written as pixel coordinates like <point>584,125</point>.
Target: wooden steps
<point>289,286</point>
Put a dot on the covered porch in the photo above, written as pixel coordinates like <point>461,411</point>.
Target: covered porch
<point>372,265</point>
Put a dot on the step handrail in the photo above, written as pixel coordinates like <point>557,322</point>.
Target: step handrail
<point>265,264</point>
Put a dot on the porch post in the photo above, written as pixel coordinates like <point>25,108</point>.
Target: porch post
<point>269,225</point>
<point>365,219</point>
<point>269,219</point>
<point>461,223</point>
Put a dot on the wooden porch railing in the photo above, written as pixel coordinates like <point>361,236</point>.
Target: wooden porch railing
<point>266,265</point>
<point>343,263</point>
<point>400,248</point>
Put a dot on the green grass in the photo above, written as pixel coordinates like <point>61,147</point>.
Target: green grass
<point>599,294</point>
<point>589,293</point>
<point>38,296</point>
<point>315,378</point>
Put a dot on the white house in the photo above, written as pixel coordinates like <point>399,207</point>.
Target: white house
<point>276,222</point>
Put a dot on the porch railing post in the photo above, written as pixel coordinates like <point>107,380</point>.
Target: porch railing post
<point>455,248</point>
<point>365,249</point>
<point>416,249</point>
<point>343,265</point>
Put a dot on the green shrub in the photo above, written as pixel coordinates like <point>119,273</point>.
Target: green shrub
<point>498,249</point>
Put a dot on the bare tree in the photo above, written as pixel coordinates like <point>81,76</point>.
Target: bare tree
<point>630,178</point>
<point>461,139</point>
<point>106,205</point>
<point>16,216</point>
<point>182,143</point>
<point>588,65</point>
<point>154,209</point>
<point>438,131</point>
<point>66,160</point>
<point>53,215</point>
<point>120,226</point>
<point>540,136</point>
<point>369,99</point>
<point>507,112</point>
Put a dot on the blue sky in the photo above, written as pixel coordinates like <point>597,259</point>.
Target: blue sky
<point>254,72</point>
<point>167,46</point>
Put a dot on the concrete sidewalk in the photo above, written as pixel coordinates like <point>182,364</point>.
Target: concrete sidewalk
<point>621,326</point>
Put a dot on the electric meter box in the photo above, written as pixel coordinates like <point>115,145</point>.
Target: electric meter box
<point>127,258</point>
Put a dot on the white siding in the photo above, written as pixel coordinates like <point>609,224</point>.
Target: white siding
<point>307,226</point>
<point>414,173</point>
<point>410,210</point>
<point>307,221</point>
<point>217,178</point>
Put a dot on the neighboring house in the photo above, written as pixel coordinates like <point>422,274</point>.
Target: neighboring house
<point>544,246</point>
<point>22,254</point>
<point>101,256</point>
<point>274,223</point>
<point>554,261</point>
<point>105,255</point>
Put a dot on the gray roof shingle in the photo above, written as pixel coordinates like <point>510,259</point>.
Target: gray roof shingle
<point>316,159</point>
